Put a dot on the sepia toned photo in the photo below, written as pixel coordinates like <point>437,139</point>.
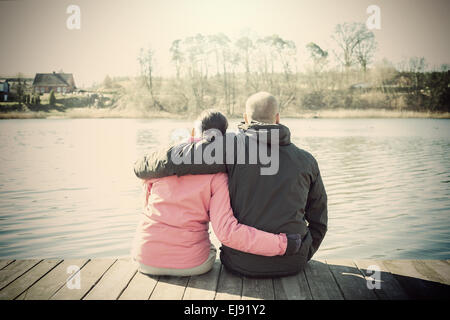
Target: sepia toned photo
<point>224,150</point>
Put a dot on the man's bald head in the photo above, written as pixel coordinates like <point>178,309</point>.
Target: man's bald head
<point>262,107</point>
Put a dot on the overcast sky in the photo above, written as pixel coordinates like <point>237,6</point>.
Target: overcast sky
<point>35,37</point>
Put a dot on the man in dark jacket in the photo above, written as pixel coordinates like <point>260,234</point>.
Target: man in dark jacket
<point>288,198</point>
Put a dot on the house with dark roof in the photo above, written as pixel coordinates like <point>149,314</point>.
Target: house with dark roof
<point>58,82</point>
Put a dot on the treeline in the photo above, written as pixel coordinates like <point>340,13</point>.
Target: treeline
<point>216,71</point>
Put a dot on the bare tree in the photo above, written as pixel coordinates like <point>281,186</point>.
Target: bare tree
<point>286,51</point>
<point>279,60</point>
<point>416,64</point>
<point>245,46</point>
<point>197,67</point>
<point>264,61</point>
<point>20,87</point>
<point>147,62</point>
<point>365,50</point>
<point>416,68</point>
<point>220,46</point>
<point>217,43</point>
<point>356,44</point>
<point>177,56</point>
<point>234,60</point>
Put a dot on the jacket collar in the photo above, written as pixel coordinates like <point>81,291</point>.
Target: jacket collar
<point>254,130</point>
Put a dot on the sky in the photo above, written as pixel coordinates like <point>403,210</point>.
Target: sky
<point>113,31</point>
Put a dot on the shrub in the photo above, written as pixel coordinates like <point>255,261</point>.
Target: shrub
<point>52,98</point>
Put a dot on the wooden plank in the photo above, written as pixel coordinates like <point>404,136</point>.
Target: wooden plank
<point>169,288</point>
<point>407,275</point>
<point>257,289</point>
<point>292,287</point>
<point>15,288</point>
<point>4,263</point>
<point>229,286</point>
<point>14,270</point>
<point>203,287</point>
<point>428,271</point>
<point>321,281</point>
<point>441,267</point>
<point>351,282</point>
<point>89,275</point>
<point>390,288</point>
<point>140,287</point>
<point>109,279</point>
<point>54,280</point>
<point>418,280</point>
<point>114,281</point>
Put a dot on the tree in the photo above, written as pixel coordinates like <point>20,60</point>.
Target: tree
<point>147,62</point>
<point>245,45</point>
<point>417,64</point>
<point>197,66</point>
<point>20,88</point>
<point>444,67</point>
<point>318,55</point>
<point>278,56</point>
<point>286,51</point>
<point>438,91</point>
<point>52,98</point>
<point>317,80</point>
<point>215,43</point>
<point>365,50</point>
<point>234,60</point>
<point>220,44</point>
<point>107,82</point>
<point>416,69</point>
<point>177,56</point>
<point>266,61</point>
<point>356,44</point>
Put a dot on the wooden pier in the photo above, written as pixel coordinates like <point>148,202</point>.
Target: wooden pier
<point>111,279</point>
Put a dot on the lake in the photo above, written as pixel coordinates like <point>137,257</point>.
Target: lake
<point>68,190</point>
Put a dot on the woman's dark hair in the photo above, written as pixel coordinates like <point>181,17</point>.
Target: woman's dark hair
<point>210,119</point>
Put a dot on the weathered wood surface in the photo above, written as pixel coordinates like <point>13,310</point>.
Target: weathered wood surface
<point>110,279</point>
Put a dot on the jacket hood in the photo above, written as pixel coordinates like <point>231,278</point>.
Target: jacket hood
<point>261,132</point>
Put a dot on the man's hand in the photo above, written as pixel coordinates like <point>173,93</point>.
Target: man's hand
<point>294,243</point>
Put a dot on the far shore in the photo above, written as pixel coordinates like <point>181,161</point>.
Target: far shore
<point>111,113</point>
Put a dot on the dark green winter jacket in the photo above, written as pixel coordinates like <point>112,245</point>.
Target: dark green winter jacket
<point>293,200</point>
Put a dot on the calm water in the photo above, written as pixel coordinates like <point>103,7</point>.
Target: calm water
<point>67,188</point>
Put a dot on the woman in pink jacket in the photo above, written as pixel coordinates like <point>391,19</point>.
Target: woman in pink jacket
<point>172,238</point>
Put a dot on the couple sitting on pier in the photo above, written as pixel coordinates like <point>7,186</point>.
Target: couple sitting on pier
<point>269,223</point>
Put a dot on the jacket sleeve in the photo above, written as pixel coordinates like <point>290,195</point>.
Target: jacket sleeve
<point>317,212</point>
<point>154,165</point>
<point>180,160</point>
<point>235,235</point>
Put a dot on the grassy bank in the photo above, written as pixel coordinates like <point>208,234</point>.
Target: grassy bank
<point>95,113</point>
<point>368,113</point>
<point>87,113</point>
<point>131,100</point>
